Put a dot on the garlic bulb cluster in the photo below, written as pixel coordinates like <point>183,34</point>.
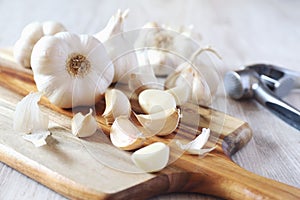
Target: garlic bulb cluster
<point>29,37</point>
<point>193,82</point>
<point>72,70</point>
<point>163,45</point>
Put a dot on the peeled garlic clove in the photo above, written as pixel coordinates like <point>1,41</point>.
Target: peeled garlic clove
<point>37,138</point>
<point>154,100</point>
<point>160,123</point>
<point>28,117</point>
<point>117,104</point>
<point>196,146</point>
<point>152,158</point>
<point>125,135</point>
<point>84,125</point>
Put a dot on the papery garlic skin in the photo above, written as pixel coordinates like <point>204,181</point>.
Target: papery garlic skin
<point>152,158</point>
<point>28,118</point>
<point>154,100</point>
<point>72,70</point>
<point>125,135</point>
<point>37,138</point>
<point>29,36</point>
<point>84,125</point>
<point>195,147</point>
<point>117,104</point>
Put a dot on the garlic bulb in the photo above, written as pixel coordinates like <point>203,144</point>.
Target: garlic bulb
<point>29,36</point>
<point>152,158</point>
<point>112,36</point>
<point>161,123</point>
<point>196,146</point>
<point>28,118</point>
<point>117,104</point>
<point>200,83</point>
<point>72,70</point>
<point>125,135</point>
<point>154,100</point>
<point>162,45</point>
<point>84,125</point>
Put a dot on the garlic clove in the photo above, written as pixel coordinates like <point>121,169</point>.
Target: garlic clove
<point>117,104</point>
<point>160,123</point>
<point>84,125</point>
<point>28,118</point>
<point>125,135</point>
<point>37,138</point>
<point>195,147</point>
<point>52,27</point>
<point>154,100</point>
<point>152,158</point>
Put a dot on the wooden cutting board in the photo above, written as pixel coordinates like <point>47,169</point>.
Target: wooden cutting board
<point>94,169</point>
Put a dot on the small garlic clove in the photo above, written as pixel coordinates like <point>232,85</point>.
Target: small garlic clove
<point>160,123</point>
<point>84,125</point>
<point>28,117</point>
<point>125,135</point>
<point>195,147</point>
<point>154,100</point>
<point>37,138</point>
<point>152,158</point>
<point>117,104</point>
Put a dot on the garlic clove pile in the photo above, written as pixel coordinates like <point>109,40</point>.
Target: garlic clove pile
<point>152,158</point>
<point>161,123</point>
<point>125,135</point>
<point>28,118</point>
<point>195,147</point>
<point>117,104</point>
<point>29,37</point>
<point>154,100</point>
<point>72,70</point>
<point>84,125</point>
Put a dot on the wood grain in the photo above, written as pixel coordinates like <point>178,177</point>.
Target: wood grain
<point>215,174</point>
<point>243,32</point>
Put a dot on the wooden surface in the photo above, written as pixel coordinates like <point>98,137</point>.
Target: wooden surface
<point>243,32</point>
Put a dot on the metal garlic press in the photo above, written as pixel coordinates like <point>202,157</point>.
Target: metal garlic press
<point>268,84</point>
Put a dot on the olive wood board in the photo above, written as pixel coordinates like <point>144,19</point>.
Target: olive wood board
<point>93,169</point>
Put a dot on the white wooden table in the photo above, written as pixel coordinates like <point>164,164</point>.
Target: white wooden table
<point>243,32</point>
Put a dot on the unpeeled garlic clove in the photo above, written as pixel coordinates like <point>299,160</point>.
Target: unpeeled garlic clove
<point>152,158</point>
<point>195,147</point>
<point>125,135</point>
<point>84,125</point>
<point>117,104</point>
<point>28,118</point>
<point>154,100</point>
<point>160,123</point>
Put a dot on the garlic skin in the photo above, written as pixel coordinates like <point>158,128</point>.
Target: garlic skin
<point>195,147</point>
<point>112,36</point>
<point>125,135</point>
<point>84,125</point>
<point>29,37</point>
<point>161,123</point>
<point>72,70</point>
<point>162,44</point>
<point>37,138</point>
<point>200,91</point>
<point>117,104</point>
<point>28,118</point>
<point>154,100</point>
<point>152,158</point>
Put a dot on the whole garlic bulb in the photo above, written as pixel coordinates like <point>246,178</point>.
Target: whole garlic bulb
<point>72,70</point>
<point>112,36</point>
<point>164,47</point>
<point>197,85</point>
<point>30,35</point>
